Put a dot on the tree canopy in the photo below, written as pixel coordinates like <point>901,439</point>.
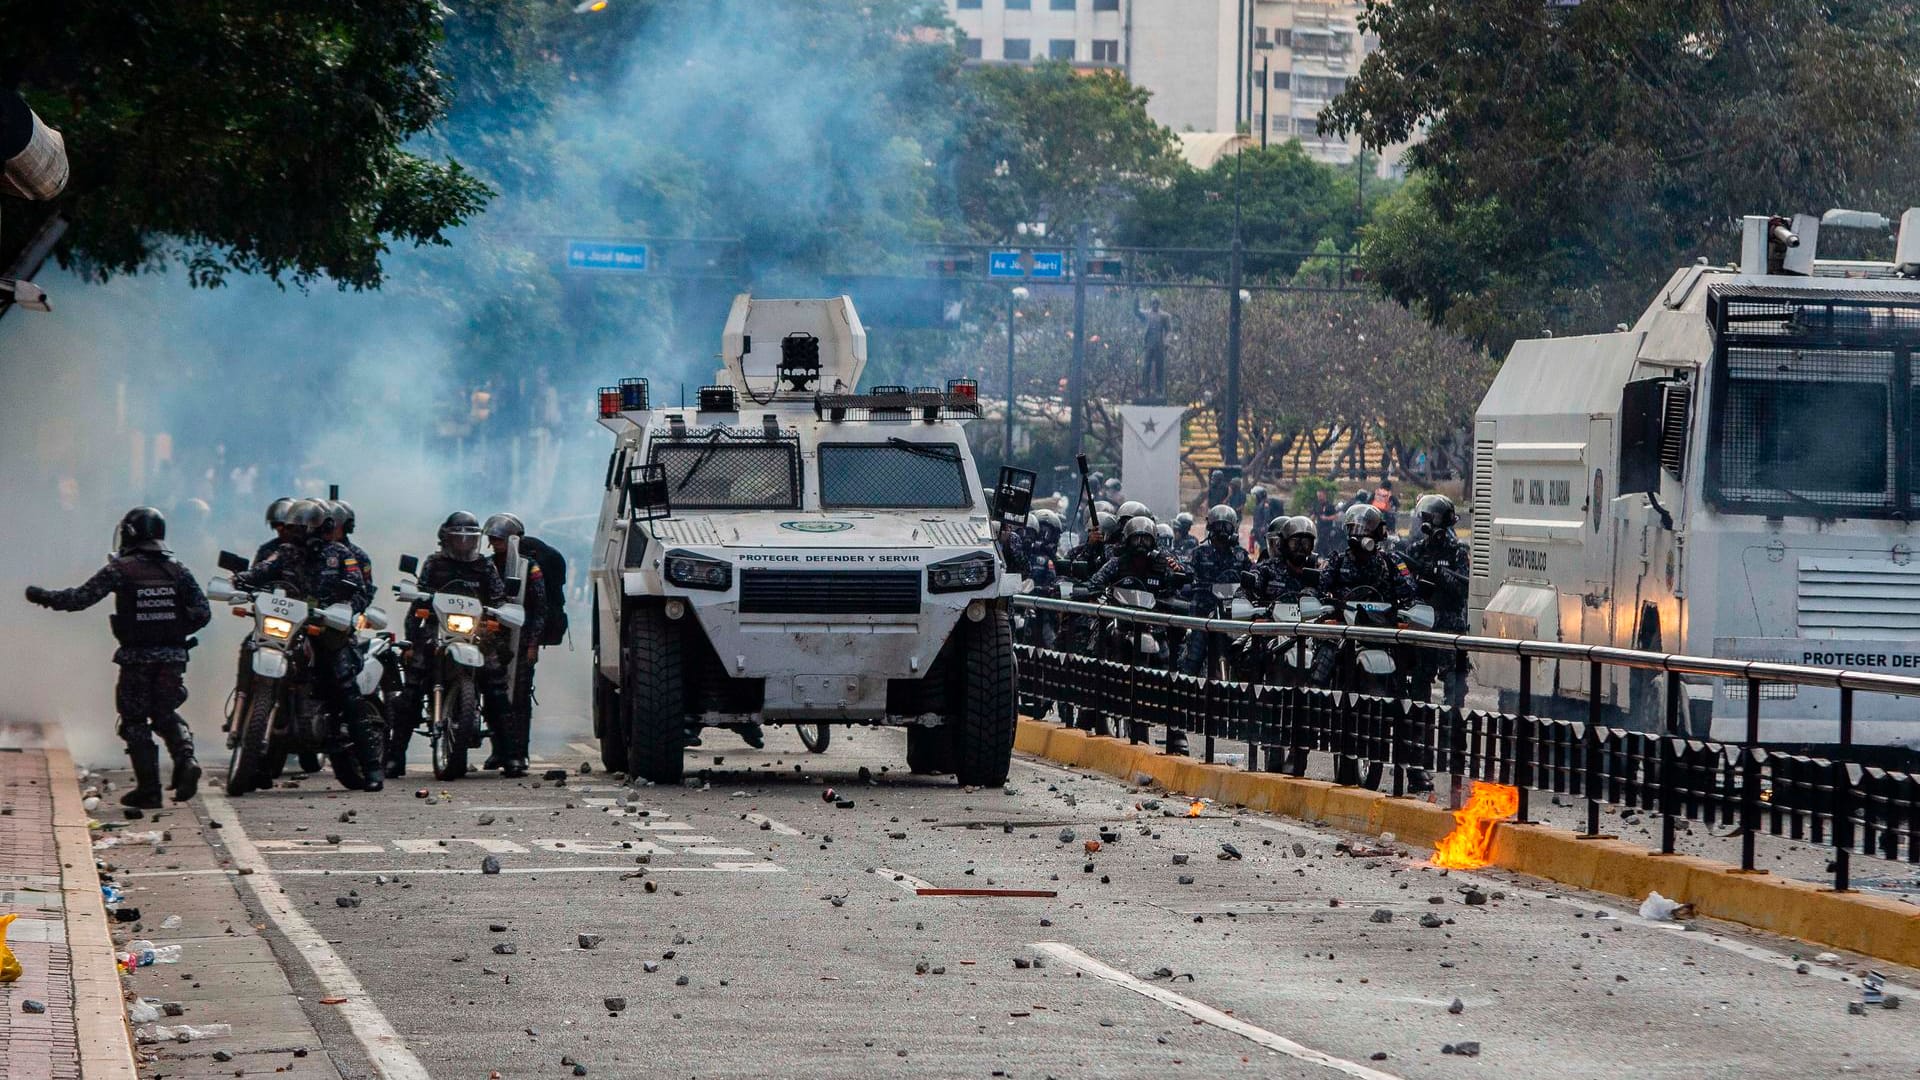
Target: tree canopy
<point>1570,156</point>
<point>251,137</point>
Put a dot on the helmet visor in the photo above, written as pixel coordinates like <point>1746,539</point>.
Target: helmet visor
<point>462,544</point>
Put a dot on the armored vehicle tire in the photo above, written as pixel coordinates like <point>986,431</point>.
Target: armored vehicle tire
<point>929,749</point>
<point>983,738</point>
<point>653,697</point>
<point>609,725</point>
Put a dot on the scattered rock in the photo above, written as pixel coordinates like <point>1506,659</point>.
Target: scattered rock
<point>1462,1049</point>
<point>333,838</point>
<point>615,1004</point>
<point>505,948</point>
<point>590,941</point>
<point>1228,851</point>
<point>1299,850</point>
<point>1180,858</point>
<point>485,820</point>
<point>1186,879</point>
<point>223,1055</point>
<point>347,901</point>
<point>1457,1007</point>
<point>1066,836</point>
<point>1475,898</point>
<point>1377,1055</point>
<point>649,966</point>
<point>1021,963</point>
<point>554,774</point>
<point>30,1005</point>
<point>1380,915</point>
<point>490,865</point>
<point>1801,969</point>
<point>1431,921</point>
<point>1855,1008</point>
<point>586,768</point>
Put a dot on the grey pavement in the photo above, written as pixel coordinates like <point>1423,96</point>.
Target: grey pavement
<point>806,951</point>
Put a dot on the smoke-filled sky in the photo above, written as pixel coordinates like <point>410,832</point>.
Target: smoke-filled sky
<point>754,120</point>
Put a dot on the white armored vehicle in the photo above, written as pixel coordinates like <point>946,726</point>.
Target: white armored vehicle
<point>1736,475</point>
<point>786,550</point>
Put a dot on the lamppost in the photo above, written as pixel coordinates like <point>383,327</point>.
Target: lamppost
<point>1014,296</point>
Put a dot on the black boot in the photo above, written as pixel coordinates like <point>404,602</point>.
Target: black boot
<point>752,735</point>
<point>406,714</point>
<point>186,768</point>
<point>146,794</point>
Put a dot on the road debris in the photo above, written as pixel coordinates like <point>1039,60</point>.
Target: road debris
<point>1381,915</point>
<point>490,865</point>
<point>1660,909</point>
<point>590,941</point>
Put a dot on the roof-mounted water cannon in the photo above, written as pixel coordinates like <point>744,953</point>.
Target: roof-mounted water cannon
<point>799,361</point>
<point>1766,243</point>
<point>822,347</point>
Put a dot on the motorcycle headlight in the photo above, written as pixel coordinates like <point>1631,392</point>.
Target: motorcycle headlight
<point>696,572</point>
<point>964,574</point>
<point>460,624</point>
<point>276,627</point>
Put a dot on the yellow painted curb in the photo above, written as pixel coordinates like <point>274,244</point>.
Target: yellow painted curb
<point>1874,925</point>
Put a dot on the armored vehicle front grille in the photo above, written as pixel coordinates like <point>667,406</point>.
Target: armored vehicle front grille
<point>1481,549</point>
<point>1859,598</point>
<point>952,533</point>
<point>830,592</point>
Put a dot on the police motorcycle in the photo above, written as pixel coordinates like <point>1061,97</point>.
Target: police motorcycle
<point>1376,669</point>
<point>277,709</point>
<point>463,628</point>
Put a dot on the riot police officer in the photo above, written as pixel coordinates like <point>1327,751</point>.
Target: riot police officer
<point>1090,555</point>
<point>344,521</point>
<point>328,572</point>
<point>1265,510</point>
<point>1139,556</point>
<point>1290,566</point>
<point>1219,561</point>
<point>1368,564</point>
<point>1440,572</point>
<point>458,567</point>
<point>512,734</point>
<point>277,521</point>
<point>157,608</point>
<point>1183,539</point>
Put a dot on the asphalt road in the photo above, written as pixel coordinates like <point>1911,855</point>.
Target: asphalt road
<point>783,936</point>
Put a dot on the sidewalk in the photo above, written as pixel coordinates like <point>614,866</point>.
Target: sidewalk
<point>47,878</point>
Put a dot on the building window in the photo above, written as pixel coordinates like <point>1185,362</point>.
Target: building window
<point>1107,51</point>
<point>1282,80</point>
<point>1318,87</point>
<point>971,48</point>
<point>1019,5</point>
<point>968,5</point>
<point>1061,5</point>
<point>1308,126</point>
<point>1282,36</point>
<point>1017,48</point>
<point>1060,49</point>
<point>1106,5</point>
<point>1260,36</point>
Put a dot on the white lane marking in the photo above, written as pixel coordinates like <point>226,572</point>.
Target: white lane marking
<point>485,843</point>
<point>659,826</point>
<point>385,1049</point>
<point>716,851</point>
<point>758,820</point>
<point>604,847</point>
<point>442,871</point>
<point>1073,957</point>
<point>314,847</point>
<point>906,881</point>
<point>583,748</point>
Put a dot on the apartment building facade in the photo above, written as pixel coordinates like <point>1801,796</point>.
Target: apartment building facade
<point>1263,66</point>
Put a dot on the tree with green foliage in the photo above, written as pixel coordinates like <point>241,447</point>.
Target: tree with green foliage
<point>1052,143</point>
<point>251,138</point>
<point>1288,202</point>
<point>1570,156</point>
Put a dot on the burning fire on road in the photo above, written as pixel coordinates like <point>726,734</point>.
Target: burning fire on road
<point>1470,845</point>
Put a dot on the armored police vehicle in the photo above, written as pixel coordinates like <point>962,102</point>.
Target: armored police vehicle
<point>1735,476</point>
<point>786,550</point>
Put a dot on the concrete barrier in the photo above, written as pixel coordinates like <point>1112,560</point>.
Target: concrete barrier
<point>1874,925</point>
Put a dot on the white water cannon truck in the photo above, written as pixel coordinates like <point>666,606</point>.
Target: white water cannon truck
<point>1735,476</point>
<point>787,550</point>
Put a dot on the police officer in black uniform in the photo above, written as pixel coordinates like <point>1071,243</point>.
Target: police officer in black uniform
<point>277,521</point>
<point>1140,558</point>
<point>1368,564</point>
<point>157,607</point>
<point>344,521</point>
<point>458,567</point>
<point>1290,570</point>
<point>1219,561</point>
<point>328,572</point>
<point>512,735</point>
<point>1184,542</point>
<point>1440,572</point>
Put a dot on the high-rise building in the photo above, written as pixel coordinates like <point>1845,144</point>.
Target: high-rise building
<point>1263,66</point>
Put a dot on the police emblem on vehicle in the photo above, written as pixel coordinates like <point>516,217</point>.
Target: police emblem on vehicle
<point>817,526</point>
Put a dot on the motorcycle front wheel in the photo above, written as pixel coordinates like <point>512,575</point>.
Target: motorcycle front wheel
<point>453,728</point>
<point>248,767</point>
<point>815,737</point>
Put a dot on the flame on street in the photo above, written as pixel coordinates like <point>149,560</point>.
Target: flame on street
<point>1470,845</point>
<point>1196,808</point>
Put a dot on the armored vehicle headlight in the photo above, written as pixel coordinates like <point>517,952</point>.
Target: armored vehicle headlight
<point>964,574</point>
<point>694,572</point>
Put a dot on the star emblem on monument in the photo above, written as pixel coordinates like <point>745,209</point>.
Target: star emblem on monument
<point>1147,428</point>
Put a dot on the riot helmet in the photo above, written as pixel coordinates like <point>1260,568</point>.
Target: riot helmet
<point>1111,486</point>
<point>346,516</point>
<point>1102,506</point>
<point>1134,508</point>
<point>460,536</point>
<point>1163,533</point>
<point>1046,525</point>
<point>1366,528</point>
<point>1139,535</point>
<point>1183,523</point>
<point>1222,523</point>
<point>1259,493</point>
<point>141,529</point>
<point>277,511</point>
<point>501,526</point>
<point>1436,514</point>
<point>1109,523</point>
<point>306,519</point>
<point>1292,539</point>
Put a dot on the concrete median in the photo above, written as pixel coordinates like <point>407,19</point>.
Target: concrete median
<point>1870,924</point>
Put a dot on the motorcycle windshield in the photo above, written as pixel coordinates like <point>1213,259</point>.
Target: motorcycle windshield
<point>1139,598</point>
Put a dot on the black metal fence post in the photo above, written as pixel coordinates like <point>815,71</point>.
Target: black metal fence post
<point>1523,741</point>
<point>1843,800</point>
<point>1750,778</point>
<point>1669,760</point>
<point>1591,767</point>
